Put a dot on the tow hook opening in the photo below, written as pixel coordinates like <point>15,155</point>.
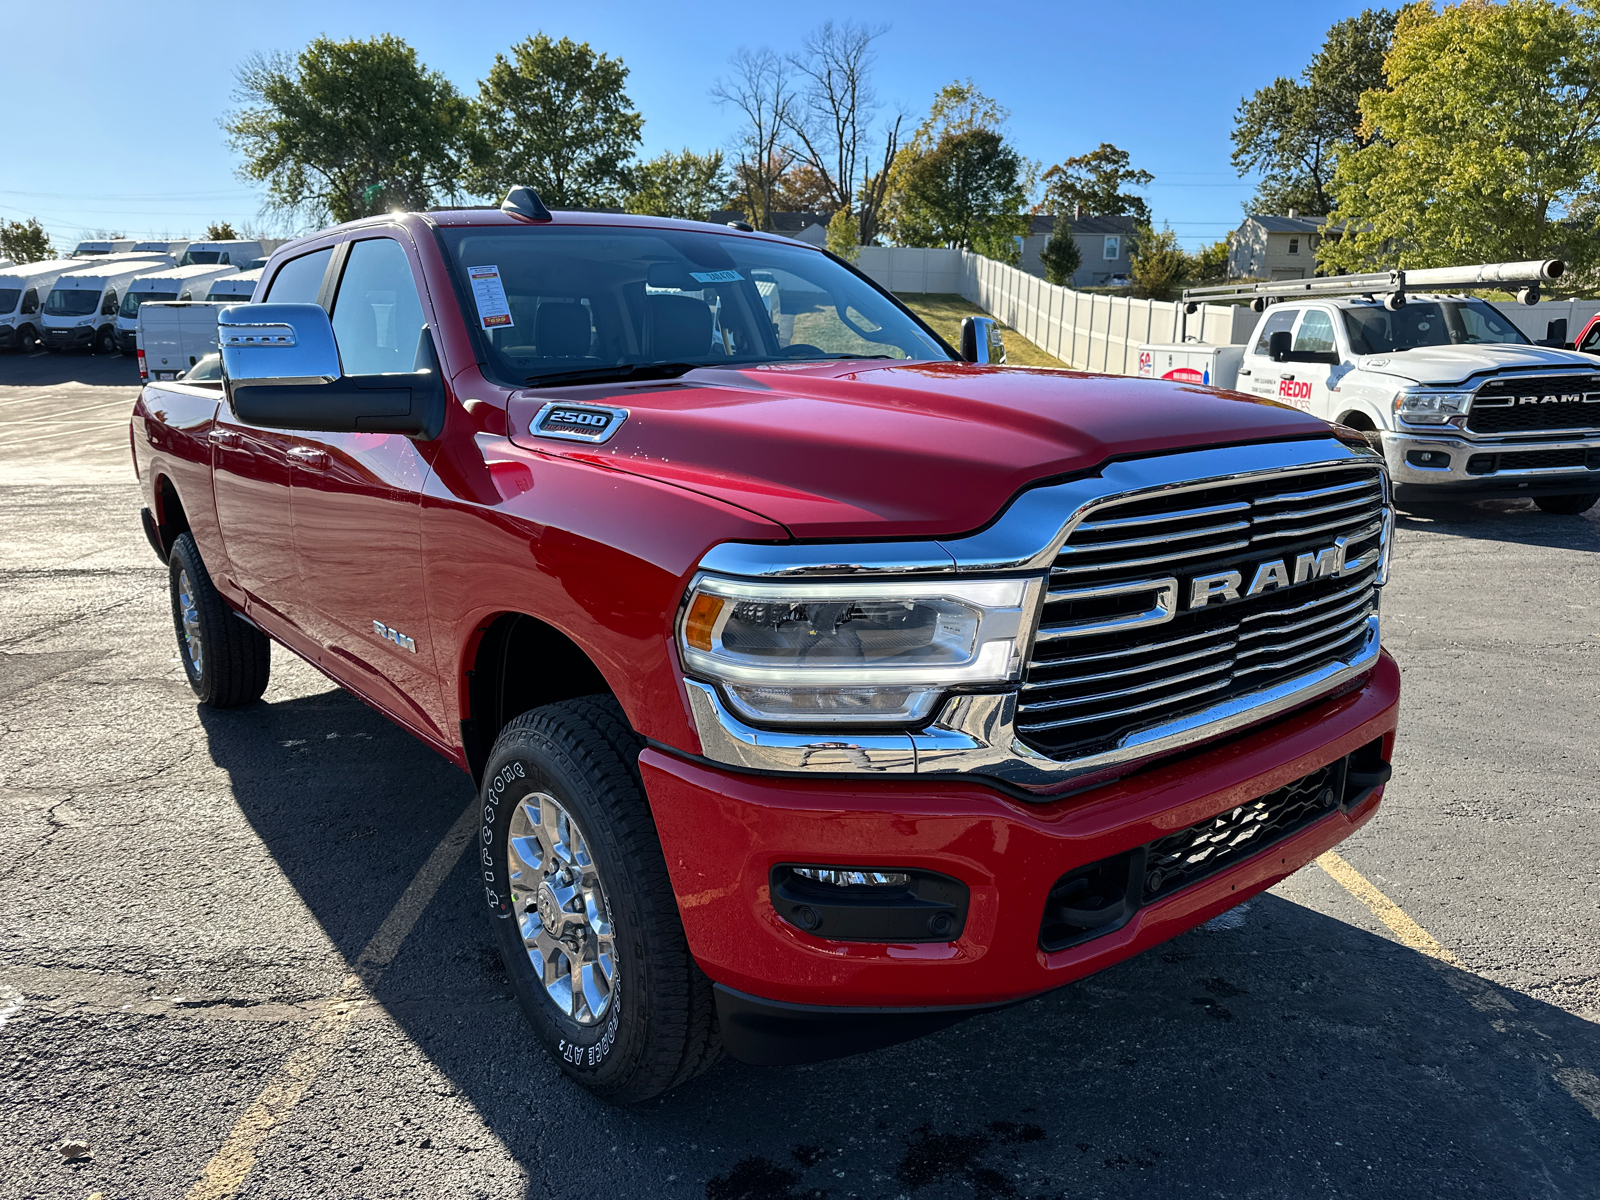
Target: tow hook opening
<point>870,904</point>
<point>1093,900</point>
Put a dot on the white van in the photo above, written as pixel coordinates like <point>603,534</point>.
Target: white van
<point>174,248</point>
<point>175,283</point>
<point>174,336</point>
<point>81,309</point>
<point>114,246</point>
<point>23,290</point>
<point>233,253</point>
<point>235,289</point>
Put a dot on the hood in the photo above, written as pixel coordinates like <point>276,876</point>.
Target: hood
<point>923,450</point>
<point>1456,364</point>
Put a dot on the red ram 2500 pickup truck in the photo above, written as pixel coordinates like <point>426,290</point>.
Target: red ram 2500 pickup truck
<point>823,687</point>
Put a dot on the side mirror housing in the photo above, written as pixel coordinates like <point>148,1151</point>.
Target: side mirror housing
<point>981,341</point>
<point>281,370</point>
<point>1280,345</point>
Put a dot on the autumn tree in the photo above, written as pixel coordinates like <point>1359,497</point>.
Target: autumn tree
<point>346,129</point>
<point>555,116</point>
<point>1096,184</point>
<point>1289,131</point>
<point>1483,146</point>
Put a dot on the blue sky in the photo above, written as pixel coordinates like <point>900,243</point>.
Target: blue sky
<point>120,128</point>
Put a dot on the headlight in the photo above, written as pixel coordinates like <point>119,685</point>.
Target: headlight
<point>815,653</point>
<point>1418,406</point>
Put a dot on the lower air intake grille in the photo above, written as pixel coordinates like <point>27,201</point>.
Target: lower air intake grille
<point>1122,645</point>
<point>1533,460</point>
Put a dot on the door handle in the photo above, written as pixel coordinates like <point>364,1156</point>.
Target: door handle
<point>311,460</point>
<point>1287,378</point>
<point>1243,371</point>
<point>227,439</point>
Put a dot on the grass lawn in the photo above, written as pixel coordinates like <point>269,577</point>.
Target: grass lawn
<point>944,313</point>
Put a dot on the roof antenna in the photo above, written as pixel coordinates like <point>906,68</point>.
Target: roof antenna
<point>522,201</point>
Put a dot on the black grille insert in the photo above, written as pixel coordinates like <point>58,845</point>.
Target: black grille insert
<point>1097,898</point>
<point>1513,404</point>
<point>1534,460</point>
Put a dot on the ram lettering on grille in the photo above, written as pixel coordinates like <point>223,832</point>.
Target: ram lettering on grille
<point>1163,605</point>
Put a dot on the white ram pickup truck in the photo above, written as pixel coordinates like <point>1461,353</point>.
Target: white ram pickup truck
<point>1463,405</point>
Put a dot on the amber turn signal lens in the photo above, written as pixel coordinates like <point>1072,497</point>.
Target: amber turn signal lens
<point>702,619</point>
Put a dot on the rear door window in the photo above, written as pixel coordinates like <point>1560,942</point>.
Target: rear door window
<point>299,281</point>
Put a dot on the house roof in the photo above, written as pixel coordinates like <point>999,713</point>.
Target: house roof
<point>1292,224</point>
<point>1045,223</point>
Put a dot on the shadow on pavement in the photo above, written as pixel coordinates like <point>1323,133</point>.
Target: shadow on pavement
<point>1278,1052</point>
<point>43,369</point>
<point>1505,521</point>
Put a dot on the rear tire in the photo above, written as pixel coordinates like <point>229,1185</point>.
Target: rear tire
<point>226,661</point>
<point>595,899</point>
<point>1567,506</point>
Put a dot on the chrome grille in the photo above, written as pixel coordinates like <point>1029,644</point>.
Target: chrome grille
<point>1119,648</point>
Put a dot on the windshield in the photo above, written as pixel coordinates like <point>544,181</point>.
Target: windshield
<point>73,302</point>
<point>207,257</point>
<point>222,293</point>
<point>131,302</point>
<point>554,301</point>
<point>8,299</point>
<point>1376,330</point>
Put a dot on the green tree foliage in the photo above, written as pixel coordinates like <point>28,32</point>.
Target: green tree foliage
<point>844,235</point>
<point>687,185</point>
<point>1211,264</point>
<point>1484,146</point>
<point>969,192</point>
<point>555,117</point>
<point>25,241</point>
<point>349,128</point>
<point>1157,263</point>
<point>221,231</point>
<point>1061,256</point>
<point>1096,184</point>
<point>1290,130</point>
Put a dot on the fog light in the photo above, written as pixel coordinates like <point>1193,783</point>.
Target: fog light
<point>1436,460</point>
<point>854,878</point>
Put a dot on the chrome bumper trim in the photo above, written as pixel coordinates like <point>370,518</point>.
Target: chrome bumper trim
<point>1397,445</point>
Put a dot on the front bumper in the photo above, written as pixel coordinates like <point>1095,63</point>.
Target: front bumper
<point>1506,478</point>
<point>723,833</point>
<point>127,340</point>
<point>67,339</point>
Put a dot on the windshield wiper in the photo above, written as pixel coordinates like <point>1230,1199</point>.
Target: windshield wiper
<point>665,370</point>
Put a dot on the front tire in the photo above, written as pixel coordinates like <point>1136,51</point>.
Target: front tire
<point>1567,506</point>
<point>584,913</point>
<point>226,661</point>
<point>105,342</point>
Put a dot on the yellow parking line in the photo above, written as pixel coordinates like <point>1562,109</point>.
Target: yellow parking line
<point>1581,1084</point>
<point>227,1170</point>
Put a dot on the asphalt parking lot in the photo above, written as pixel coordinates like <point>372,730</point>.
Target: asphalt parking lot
<point>244,945</point>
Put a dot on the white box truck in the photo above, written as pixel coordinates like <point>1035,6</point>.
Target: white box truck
<point>238,252</point>
<point>103,246</point>
<point>23,290</point>
<point>81,310</point>
<point>172,283</point>
<point>174,335</point>
<point>173,247</point>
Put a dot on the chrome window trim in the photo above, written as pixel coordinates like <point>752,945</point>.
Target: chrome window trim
<point>975,733</point>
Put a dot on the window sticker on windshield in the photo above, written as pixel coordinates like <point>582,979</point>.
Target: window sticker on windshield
<point>715,276</point>
<point>490,296</point>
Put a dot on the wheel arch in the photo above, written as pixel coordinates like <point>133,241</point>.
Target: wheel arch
<point>170,517</point>
<point>515,662</point>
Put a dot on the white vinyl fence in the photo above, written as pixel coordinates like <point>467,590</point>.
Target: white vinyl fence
<point>1102,333</point>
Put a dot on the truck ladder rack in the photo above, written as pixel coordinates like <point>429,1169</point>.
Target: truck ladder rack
<point>1523,277</point>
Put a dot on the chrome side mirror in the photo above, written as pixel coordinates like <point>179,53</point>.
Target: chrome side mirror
<point>981,341</point>
<point>277,345</point>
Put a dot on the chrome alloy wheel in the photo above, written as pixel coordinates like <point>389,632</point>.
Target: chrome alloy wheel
<point>561,908</point>
<point>193,646</point>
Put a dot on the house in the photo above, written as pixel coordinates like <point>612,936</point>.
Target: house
<point>808,227</point>
<point>1266,247</point>
<point>1103,244</point>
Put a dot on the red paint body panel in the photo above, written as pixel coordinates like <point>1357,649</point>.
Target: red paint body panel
<point>723,832</point>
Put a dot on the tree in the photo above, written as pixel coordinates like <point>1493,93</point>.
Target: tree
<point>1211,264</point>
<point>967,192</point>
<point>844,235</point>
<point>761,89</point>
<point>1290,130</point>
<point>1157,263</point>
<point>221,231</point>
<point>25,241</point>
<point>1061,256</point>
<point>687,185</point>
<point>1092,184</point>
<point>555,117</point>
<point>832,120</point>
<point>1483,147</point>
<point>957,108</point>
<point>348,129</point>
